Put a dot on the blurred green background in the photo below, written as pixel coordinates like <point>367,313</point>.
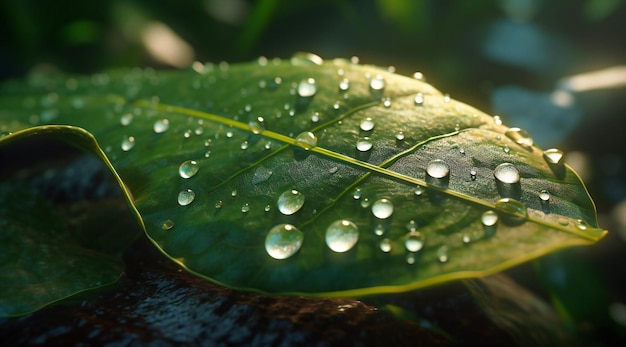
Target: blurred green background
<point>527,60</point>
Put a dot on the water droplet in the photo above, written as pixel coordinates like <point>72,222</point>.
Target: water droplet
<point>126,119</point>
<point>379,229</point>
<point>256,126</point>
<point>357,193</point>
<point>365,203</point>
<point>283,241</point>
<point>261,174</point>
<point>553,156</point>
<point>167,225</point>
<point>400,136</point>
<point>410,258</point>
<point>306,140</point>
<point>268,145</point>
<point>245,208</point>
<point>244,145</point>
<point>442,254</point>
<point>497,120</point>
<point>290,202</point>
<point>128,144</point>
<point>185,197</point>
<point>307,88</point>
<point>315,117</point>
<point>489,218</point>
<point>414,241</point>
<point>161,126</point>
<point>367,124</point>
<point>507,173</point>
<point>419,191</point>
<point>512,207</point>
<point>506,149</point>
<point>521,137</point>
<point>473,173</point>
<point>306,58</point>
<point>419,99</point>
<point>233,193</point>
<point>364,145</point>
<point>446,98</point>
<point>466,239</point>
<point>187,133</point>
<point>188,169</point>
<point>411,226</point>
<point>385,245</point>
<point>342,235</point>
<point>544,196</point>
<point>229,134</point>
<point>382,208</point>
<point>438,169</point>
<point>267,208</point>
<point>333,169</point>
<point>207,154</point>
<point>377,83</point>
<point>344,84</point>
<point>418,75</point>
<point>198,131</point>
<point>563,221</point>
<point>581,224</point>
<point>462,151</point>
<point>387,102</point>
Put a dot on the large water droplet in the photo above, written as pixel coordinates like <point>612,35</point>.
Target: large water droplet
<point>553,156</point>
<point>544,196</point>
<point>377,83</point>
<point>342,235</point>
<point>438,169</point>
<point>185,197</point>
<point>307,140</point>
<point>128,144</point>
<point>161,126</point>
<point>257,126</point>
<point>521,137</point>
<point>382,208</point>
<point>306,58</point>
<point>414,241</point>
<point>290,202</point>
<point>489,218</point>
<point>188,169</point>
<point>507,173</point>
<point>307,88</point>
<point>367,124</point>
<point>364,145</point>
<point>283,241</point>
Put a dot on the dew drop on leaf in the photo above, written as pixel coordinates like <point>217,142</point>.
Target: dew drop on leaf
<point>497,120</point>
<point>244,145</point>
<point>410,258</point>
<point>385,245</point>
<point>367,124</point>
<point>489,218</point>
<point>126,119</point>
<point>382,208</point>
<point>344,85</point>
<point>161,126</point>
<point>128,144</point>
<point>188,169</point>
<point>438,169</point>
<point>387,102</point>
<point>419,99</point>
<point>342,235</point>
<point>473,174</point>
<point>442,254</point>
<point>364,145</point>
<point>581,224</point>
<point>219,204</point>
<point>400,136</point>
<point>419,191</point>
<point>357,193</point>
<point>553,156</point>
<point>283,241</point>
<point>512,207</point>
<point>506,149</point>
<point>521,137</point>
<point>185,197</point>
<point>544,196</point>
<point>379,230</point>
<point>167,225</point>
<point>290,202</point>
<point>306,140</point>
<point>414,241</point>
<point>307,88</point>
<point>245,208</point>
<point>377,83</point>
<point>507,173</point>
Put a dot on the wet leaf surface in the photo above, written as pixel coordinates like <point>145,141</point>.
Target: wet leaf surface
<point>240,173</point>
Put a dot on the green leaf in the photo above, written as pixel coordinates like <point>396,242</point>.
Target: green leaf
<point>246,129</point>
